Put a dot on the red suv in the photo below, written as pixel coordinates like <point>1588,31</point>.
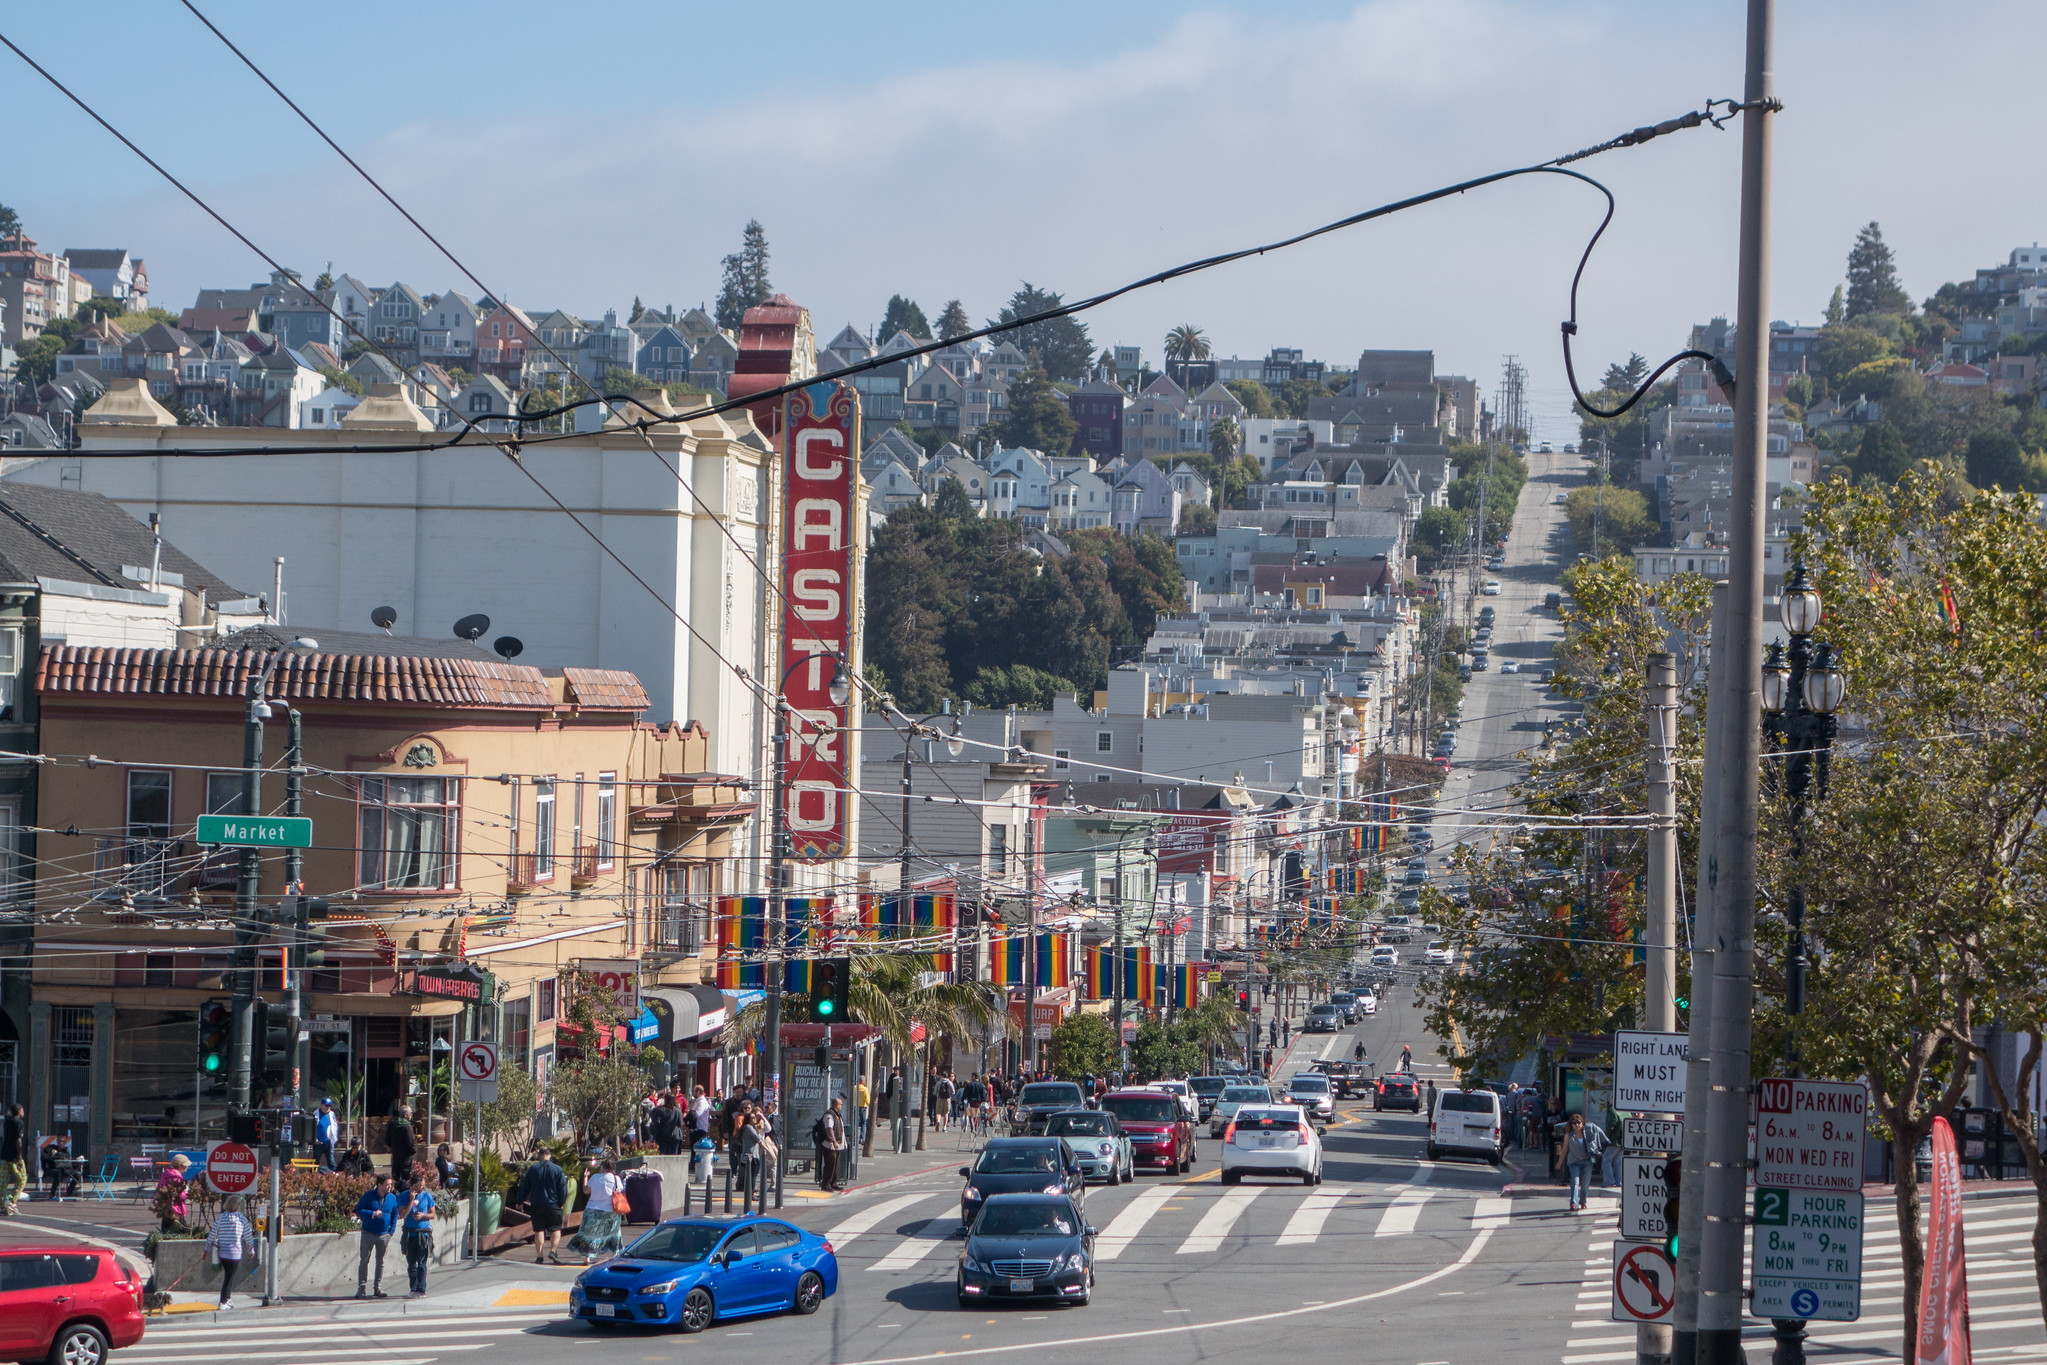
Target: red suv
<point>66,1304</point>
<point>1159,1130</point>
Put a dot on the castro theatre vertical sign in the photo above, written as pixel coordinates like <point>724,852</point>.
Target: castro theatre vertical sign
<point>820,611</point>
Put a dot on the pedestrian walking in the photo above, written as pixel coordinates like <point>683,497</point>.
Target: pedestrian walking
<point>603,1216</point>
<point>1268,1061</point>
<point>398,1137</point>
<point>832,1146</point>
<point>417,1237</point>
<point>377,1214</point>
<point>542,1191</point>
<point>231,1241</point>
<point>1583,1145</point>
<point>1286,1033</point>
<point>13,1159</point>
<point>175,1209</point>
<point>667,1127</point>
<point>1406,1057</point>
<point>941,1094</point>
<point>326,1128</point>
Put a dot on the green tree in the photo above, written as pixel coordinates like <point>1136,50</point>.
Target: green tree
<point>341,379</point>
<point>1873,276</point>
<point>1606,520</point>
<point>1837,309</point>
<point>1627,376</point>
<point>1256,398</point>
<point>1082,1045</point>
<point>1037,416</point>
<point>37,358</point>
<point>953,322</point>
<point>1197,519</point>
<point>951,501</point>
<point>1842,349</point>
<point>1061,344</point>
<point>746,277</point>
<point>1995,461</point>
<point>1438,531</point>
<point>1018,685</point>
<point>638,309</point>
<point>1159,1052</point>
<point>1187,342</point>
<point>1225,440</point>
<point>10,224</point>
<point>1296,394</point>
<point>902,315</point>
<point>1238,478</point>
<point>1882,455</point>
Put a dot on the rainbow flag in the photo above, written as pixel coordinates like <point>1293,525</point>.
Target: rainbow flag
<point>1006,961</point>
<point>808,922</point>
<point>1187,979</point>
<point>899,919</point>
<point>1098,974</point>
<point>1140,983</point>
<point>1055,960</point>
<point>741,923</point>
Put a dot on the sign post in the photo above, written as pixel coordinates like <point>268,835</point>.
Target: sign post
<point>476,1073</point>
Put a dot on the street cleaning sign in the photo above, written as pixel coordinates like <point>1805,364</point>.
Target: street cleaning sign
<point>1649,1072</point>
<point>256,831</point>
<point>1809,1134</point>
<point>1806,1259</point>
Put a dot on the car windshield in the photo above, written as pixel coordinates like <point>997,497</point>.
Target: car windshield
<point>1208,1085</point>
<point>1060,1092</point>
<point>1143,1108</point>
<point>1310,1083</point>
<point>1086,1125</point>
<point>1026,1220</point>
<point>1323,1009</point>
<point>676,1242</point>
<point>1016,1161</point>
<point>1469,1102</point>
<point>1246,1094</point>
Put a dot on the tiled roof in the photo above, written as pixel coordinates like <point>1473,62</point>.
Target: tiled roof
<point>605,689</point>
<point>80,671</point>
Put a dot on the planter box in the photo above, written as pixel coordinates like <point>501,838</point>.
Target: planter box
<point>308,1262</point>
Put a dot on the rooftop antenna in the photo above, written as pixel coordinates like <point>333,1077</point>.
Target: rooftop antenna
<point>470,627</point>
<point>279,590</point>
<point>383,618</point>
<point>509,647</point>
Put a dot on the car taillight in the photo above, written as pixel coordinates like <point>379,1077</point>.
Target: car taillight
<point>1432,1125</point>
<point>828,1248</point>
<point>1230,1131</point>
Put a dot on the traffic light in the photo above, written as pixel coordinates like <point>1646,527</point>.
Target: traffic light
<point>830,978</point>
<point>312,934</point>
<point>304,1130</point>
<point>1673,1178</point>
<point>216,1028</point>
<point>822,1059</point>
<point>276,1039</point>
<point>1244,1002</point>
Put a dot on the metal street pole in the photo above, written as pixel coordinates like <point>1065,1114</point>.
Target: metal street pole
<point>247,932</point>
<point>1691,1216</point>
<point>1721,1239</point>
<point>294,874</point>
<point>1031,926</point>
<point>1122,966</point>
<point>778,877</point>
<point>1659,1004</point>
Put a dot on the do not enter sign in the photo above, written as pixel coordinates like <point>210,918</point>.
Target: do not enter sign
<point>230,1167</point>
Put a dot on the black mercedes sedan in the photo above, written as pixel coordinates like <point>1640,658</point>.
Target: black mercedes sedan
<point>1028,1246</point>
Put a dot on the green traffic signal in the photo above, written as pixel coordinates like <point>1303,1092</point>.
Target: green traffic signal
<point>212,1062</point>
<point>824,1006</point>
<point>1670,1247</point>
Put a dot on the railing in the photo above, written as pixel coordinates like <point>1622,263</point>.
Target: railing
<point>674,928</point>
<point>136,867</point>
<point>522,872</point>
<point>583,867</point>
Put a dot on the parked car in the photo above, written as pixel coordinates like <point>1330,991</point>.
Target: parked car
<point>1468,1122</point>
<point>1028,1246</point>
<point>1491,587</point>
<point>66,1303</point>
<point>1160,1132</point>
<point>692,1272</point>
<point>1098,1142</point>
<point>1014,1165</point>
<point>1323,1019</point>
<point>1271,1140</point>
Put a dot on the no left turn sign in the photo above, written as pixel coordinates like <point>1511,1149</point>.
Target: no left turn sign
<point>1644,1283</point>
<point>477,1071</point>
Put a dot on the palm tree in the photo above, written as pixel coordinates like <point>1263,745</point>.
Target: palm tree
<point>1187,342</point>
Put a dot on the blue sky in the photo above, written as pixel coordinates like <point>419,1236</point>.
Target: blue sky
<point>579,156</point>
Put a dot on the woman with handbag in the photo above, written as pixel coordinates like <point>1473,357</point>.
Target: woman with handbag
<point>603,1216</point>
<point>231,1241</point>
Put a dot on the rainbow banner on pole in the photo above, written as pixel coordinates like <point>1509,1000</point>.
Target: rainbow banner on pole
<point>1006,961</point>
<point>1141,983</point>
<point>1055,960</point>
<point>900,919</point>
<point>1098,973</point>
<point>741,924</point>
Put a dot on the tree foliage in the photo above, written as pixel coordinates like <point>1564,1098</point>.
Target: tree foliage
<point>1225,439</point>
<point>746,277</point>
<point>1497,476</point>
<point>1256,398</point>
<point>1187,342</point>
<point>953,322</point>
<point>1606,520</point>
<point>1873,285</point>
<point>1061,344</point>
<point>1018,685</point>
<point>1037,417</point>
<point>1163,1051</point>
<point>1082,1045</point>
<point>902,315</point>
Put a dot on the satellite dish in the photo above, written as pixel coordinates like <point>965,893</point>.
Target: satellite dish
<point>383,618</point>
<point>469,627</point>
<point>508,646</point>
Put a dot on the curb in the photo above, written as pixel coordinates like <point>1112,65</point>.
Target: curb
<point>885,1182</point>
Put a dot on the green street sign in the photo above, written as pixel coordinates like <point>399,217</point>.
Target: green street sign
<point>260,831</point>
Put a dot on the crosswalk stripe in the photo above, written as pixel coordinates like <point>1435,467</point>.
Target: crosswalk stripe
<point>1403,1213</point>
<point>1123,1229</point>
<point>842,1236</point>
<point>917,1245</point>
<point>1208,1234</point>
<point>353,1355</point>
<point>152,1349</point>
<point>509,1316</point>
<point>1306,1224</point>
<point>1491,1213</point>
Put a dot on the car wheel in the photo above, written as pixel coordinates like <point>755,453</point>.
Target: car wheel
<point>809,1292</point>
<point>1494,1157</point>
<point>1307,1177</point>
<point>697,1310</point>
<point>79,1344</point>
<point>1433,1154</point>
<point>1231,1177</point>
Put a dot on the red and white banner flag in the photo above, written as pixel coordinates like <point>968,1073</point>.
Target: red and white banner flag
<point>1944,1288</point>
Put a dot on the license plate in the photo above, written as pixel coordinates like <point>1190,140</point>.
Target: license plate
<point>1022,1286</point>
<point>607,1310</point>
<point>1268,1142</point>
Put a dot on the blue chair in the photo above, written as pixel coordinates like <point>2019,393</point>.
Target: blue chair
<point>103,1183</point>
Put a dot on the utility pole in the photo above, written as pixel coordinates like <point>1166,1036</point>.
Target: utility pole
<point>1659,1003</point>
<point>1721,1239</point>
<point>294,876</point>
<point>1122,966</point>
<point>248,933</point>
<point>1031,928</point>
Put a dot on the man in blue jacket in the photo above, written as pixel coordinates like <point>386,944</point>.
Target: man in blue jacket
<point>377,1211</point>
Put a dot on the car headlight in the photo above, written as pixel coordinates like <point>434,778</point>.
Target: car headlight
<point>1052,1189</point>
<point>651,1290</point>
<point>1107,1147</point>
<point>973,1193</point>
<point>1077,1261</point>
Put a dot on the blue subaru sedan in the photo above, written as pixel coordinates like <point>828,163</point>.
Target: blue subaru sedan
<point>692,1272</point>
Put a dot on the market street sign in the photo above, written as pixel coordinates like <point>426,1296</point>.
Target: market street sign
<point>256,831</point>
<point>1806,1259</point>
<point>1649,1072</point>
<point>1809,1134</point>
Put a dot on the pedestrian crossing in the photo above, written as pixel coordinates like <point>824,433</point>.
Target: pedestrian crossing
<point>1185,1219</point>
<point>414,1338</point>
<point>2004,1298</point>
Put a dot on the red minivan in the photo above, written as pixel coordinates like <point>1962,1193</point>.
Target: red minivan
<point>65,1303</point>
<point>1160,1132</point>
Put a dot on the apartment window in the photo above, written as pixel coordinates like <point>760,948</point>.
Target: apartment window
<point>607,817</point>
<point>408,830</point>
<point>10,661</point>
<point>543,999</point>
<point>1103,777</point>
<point>149,804</point>
<point>543,827</point>
<point>1105,742</point>
<point>515,1030</point>
<point>1059,757</point>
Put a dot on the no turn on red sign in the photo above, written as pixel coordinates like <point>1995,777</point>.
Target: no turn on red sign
<point>230,1167</point>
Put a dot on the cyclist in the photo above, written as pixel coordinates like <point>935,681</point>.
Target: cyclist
<point>1406,1056</point>
<point>1358,1053</point>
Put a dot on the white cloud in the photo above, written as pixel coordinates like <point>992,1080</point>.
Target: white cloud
<point>1221,131</point>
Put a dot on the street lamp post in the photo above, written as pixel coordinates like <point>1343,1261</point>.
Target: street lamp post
<point>1802,690</point>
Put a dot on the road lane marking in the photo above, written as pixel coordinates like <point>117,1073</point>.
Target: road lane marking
<point>917,1245</point>
<point>1491,1213</point>
<point>1402,1214</point>
<point>842,1236</point>
<point>1306,1224</point>
<point>1123,1229</point>
<point>1208,1234</point>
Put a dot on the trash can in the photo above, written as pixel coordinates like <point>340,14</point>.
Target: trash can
<point>643,1196</point>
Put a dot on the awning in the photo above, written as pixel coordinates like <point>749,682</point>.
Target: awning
<point>687,1012</point>
<point>645,1028</point>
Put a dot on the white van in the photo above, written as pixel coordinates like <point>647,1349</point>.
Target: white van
<point>1467,1123</point>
